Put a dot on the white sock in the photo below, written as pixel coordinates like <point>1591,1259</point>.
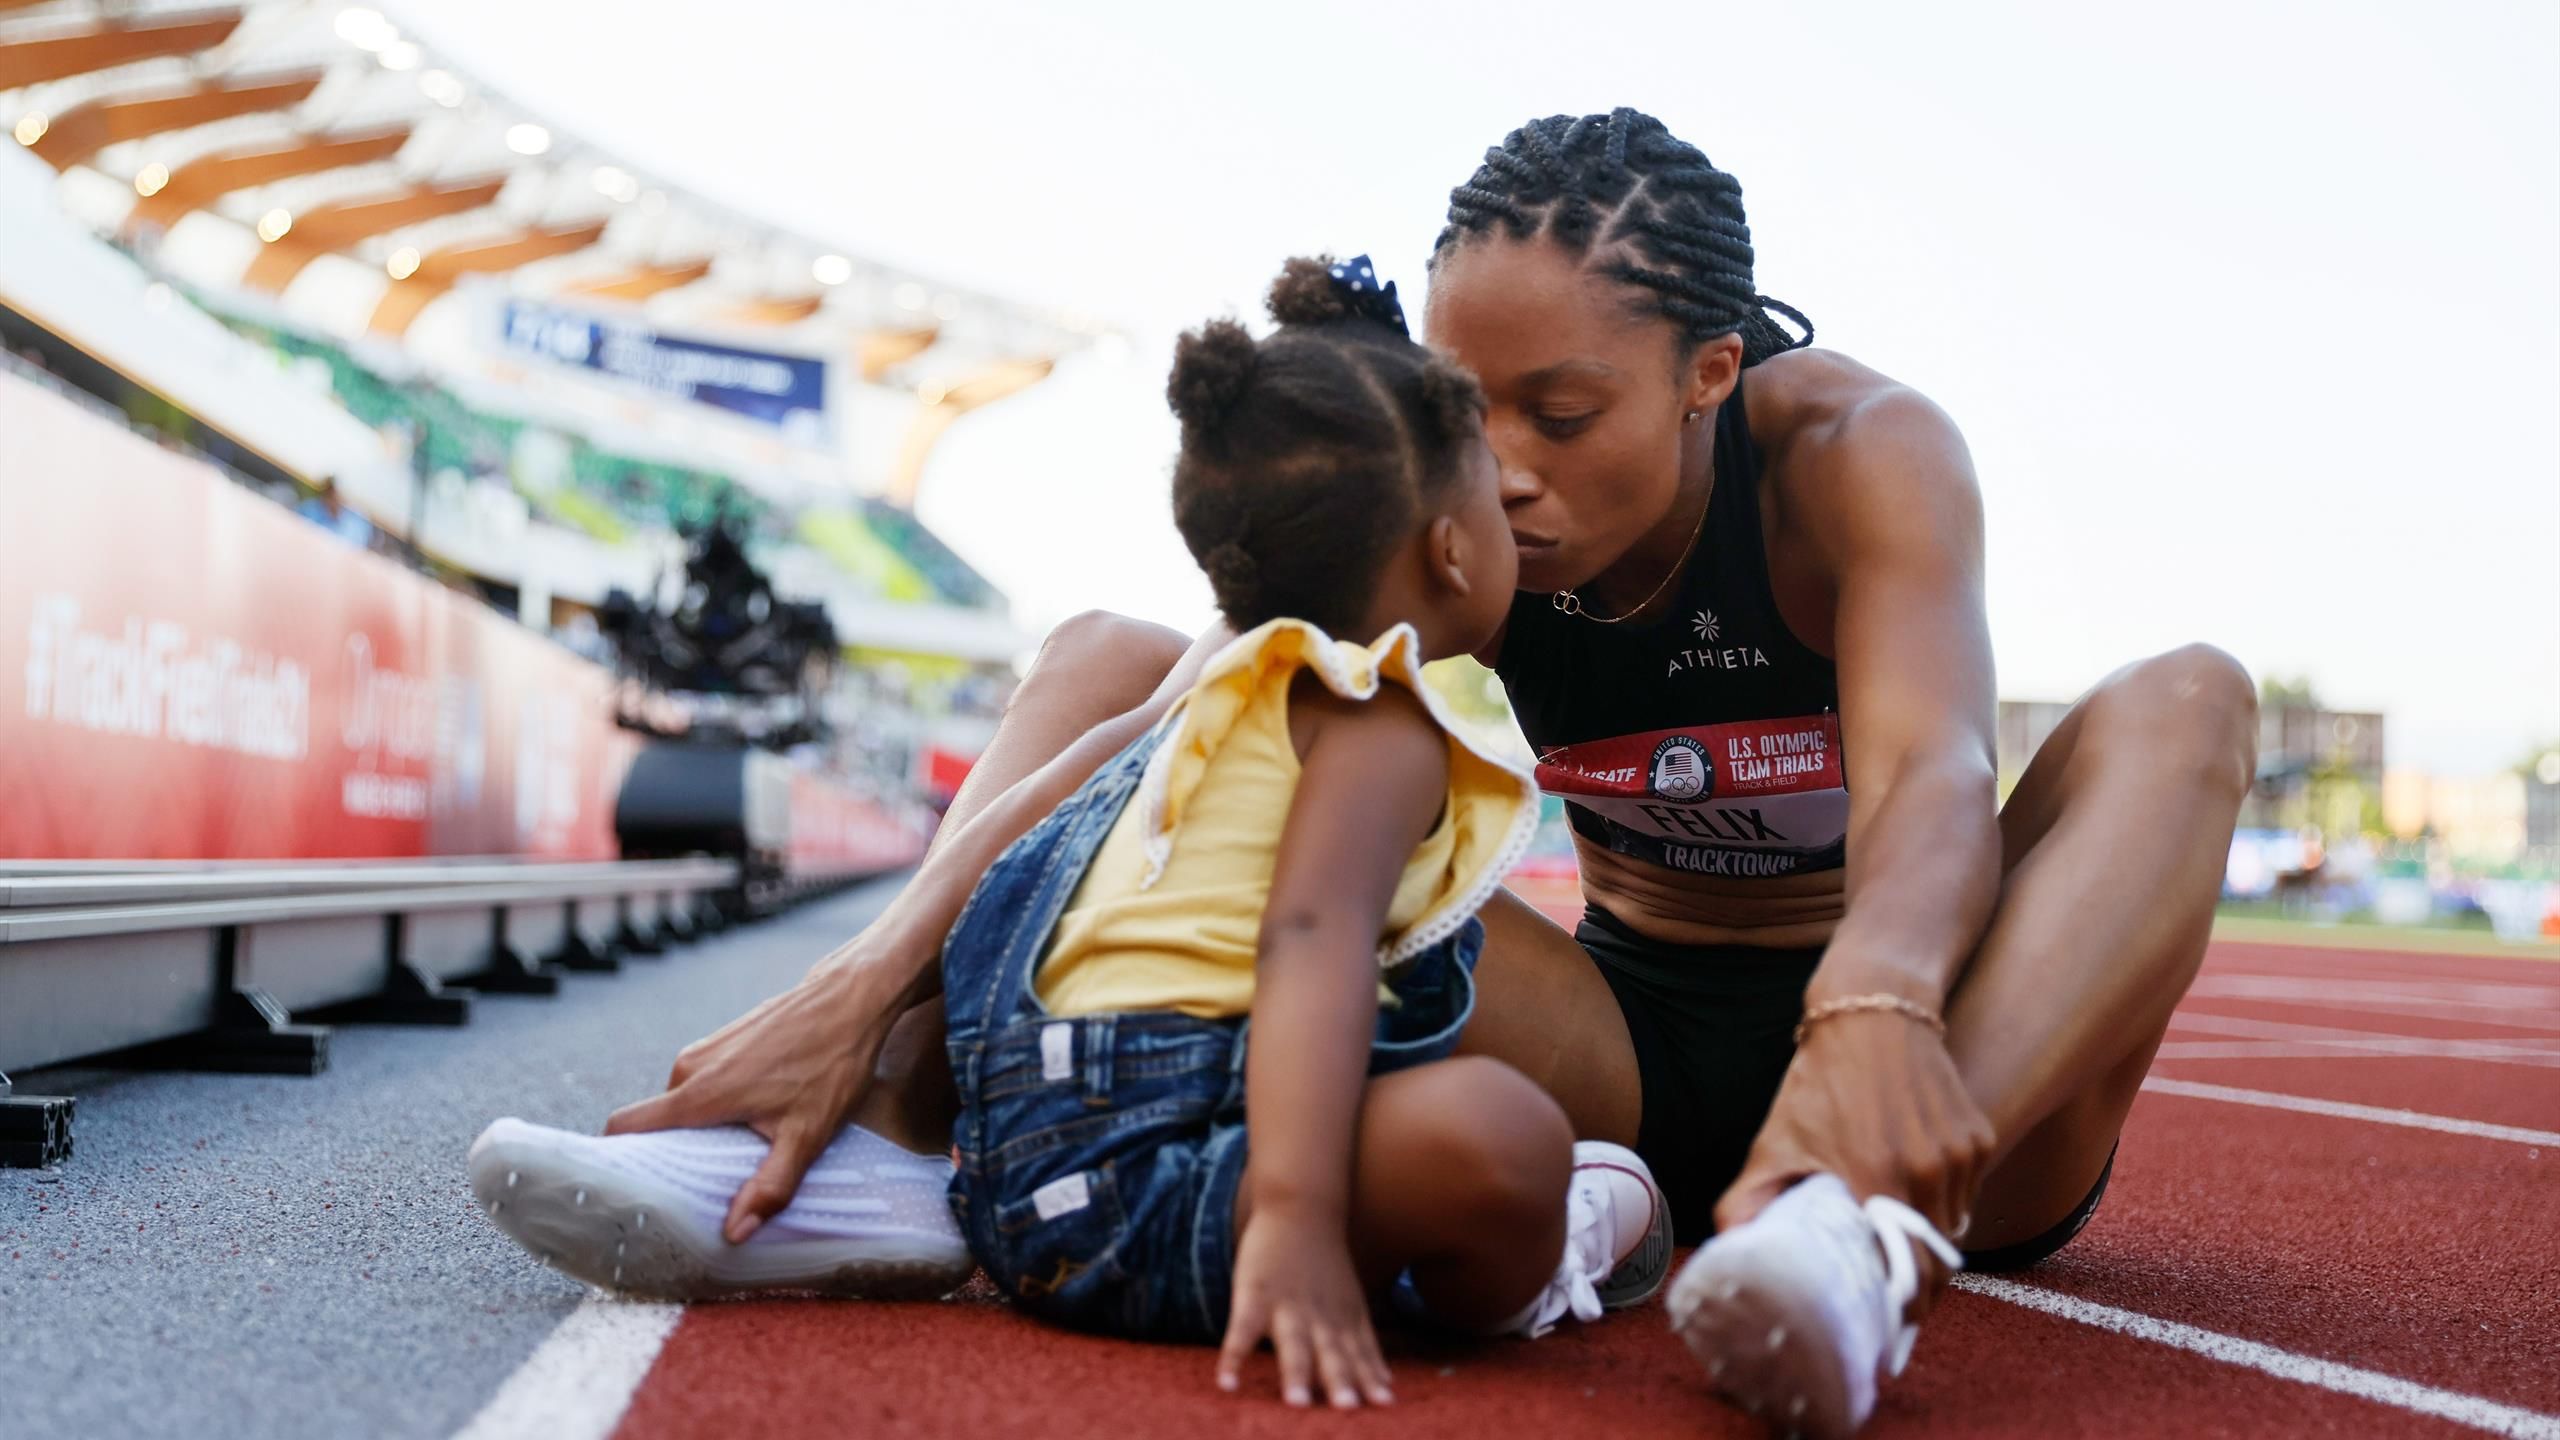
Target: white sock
<point>862,1184</point>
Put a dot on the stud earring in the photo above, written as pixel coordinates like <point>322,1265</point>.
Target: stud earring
<point>1692,418</point>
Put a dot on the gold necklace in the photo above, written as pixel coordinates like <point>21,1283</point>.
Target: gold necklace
<point>1571,604</point>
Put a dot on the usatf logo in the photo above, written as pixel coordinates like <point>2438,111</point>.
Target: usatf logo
<point>1705,623</point>
<point>1681,769</point>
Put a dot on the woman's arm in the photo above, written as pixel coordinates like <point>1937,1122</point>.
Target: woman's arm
<point>1891,505</point>
<point>794,1067</point>
<point>1913,647</point>
<point>1371,787</point>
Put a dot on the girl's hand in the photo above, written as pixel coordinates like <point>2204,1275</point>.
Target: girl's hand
<point>1874,1099</point>
<point>1295,1285</point>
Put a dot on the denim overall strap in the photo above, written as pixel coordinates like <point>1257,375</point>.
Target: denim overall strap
<point>995,947</point>
<point>1435,997</point>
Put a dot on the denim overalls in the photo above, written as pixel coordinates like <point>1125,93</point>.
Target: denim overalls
<point>1099,1155</point>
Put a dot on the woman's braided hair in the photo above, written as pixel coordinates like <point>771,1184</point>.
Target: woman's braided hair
<point>1623,177</point>
<point>1309,455</point>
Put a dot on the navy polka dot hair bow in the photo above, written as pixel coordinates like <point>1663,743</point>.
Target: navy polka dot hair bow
<point>1370,296</point>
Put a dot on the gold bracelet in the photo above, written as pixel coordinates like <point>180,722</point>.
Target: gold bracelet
<point>1851,1004</point>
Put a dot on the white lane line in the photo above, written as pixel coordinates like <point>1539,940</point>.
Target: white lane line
<point>2329,989</point>
<point>2332,1050</point>
<point>2344,1111</point>
<point>2536,1052</point>
<point>2207,1022</point>
<point>2395,1049</point>
<point>2307,1051</point>
<point>2364,1384</point>
<point>2518,1007</point>
<point>2263,1050</point>
<point>577,1383</point>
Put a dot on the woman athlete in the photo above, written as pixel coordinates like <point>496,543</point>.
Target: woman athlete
<point>1836,994</point>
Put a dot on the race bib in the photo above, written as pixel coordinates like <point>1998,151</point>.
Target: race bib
<point>1752,798</point>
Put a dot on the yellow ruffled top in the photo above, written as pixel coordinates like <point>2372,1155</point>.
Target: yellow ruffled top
<point>1169,915</point>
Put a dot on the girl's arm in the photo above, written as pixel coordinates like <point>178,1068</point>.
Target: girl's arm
<point>1373,781</point>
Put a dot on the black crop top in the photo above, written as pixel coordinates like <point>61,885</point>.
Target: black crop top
<point>1706,739</point>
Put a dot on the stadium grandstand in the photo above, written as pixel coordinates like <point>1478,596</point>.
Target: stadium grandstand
<point>398,481</point>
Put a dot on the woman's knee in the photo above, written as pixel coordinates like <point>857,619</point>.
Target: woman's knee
<point>2191,713</point>
<point>1108,664</point>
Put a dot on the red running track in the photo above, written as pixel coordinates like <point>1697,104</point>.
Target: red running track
<point>2406,1252</point>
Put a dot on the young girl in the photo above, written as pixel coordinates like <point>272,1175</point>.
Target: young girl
<point>1202,1017</point>
<point>1293,858</point>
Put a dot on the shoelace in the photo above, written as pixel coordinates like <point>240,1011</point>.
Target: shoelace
<point>1575,1290</point>
<point>1586,1253</point>
<point>1896,1225</point>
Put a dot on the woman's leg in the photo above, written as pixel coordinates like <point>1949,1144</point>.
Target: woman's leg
<point>2114,846</point>
<point>2115,842</point>
<point>1091,668</point>
<point>1544,1009</point>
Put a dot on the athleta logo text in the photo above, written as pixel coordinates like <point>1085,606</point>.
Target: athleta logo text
<point>1732,657</point>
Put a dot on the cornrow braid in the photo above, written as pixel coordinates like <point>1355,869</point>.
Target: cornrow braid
<point>1600,181</point>
<point>1308,455</point>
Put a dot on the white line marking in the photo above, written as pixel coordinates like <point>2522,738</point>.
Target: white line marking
<point>2326,989</point>
<point>577,1383</point>
<point>2344,1111</point>
<point>2207,1023</point>
<point>2325,1050</point>
<point>2536,1052</point>
<point>2364,1384</point>
<point>2522,1007</point>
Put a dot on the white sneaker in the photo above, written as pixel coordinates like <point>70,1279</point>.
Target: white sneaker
<point>1796,1312</point>
<point>1617,1240</point>
<point>1630,1211</point>
<point>643,1213</point>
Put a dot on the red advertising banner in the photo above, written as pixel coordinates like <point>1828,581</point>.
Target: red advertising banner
<point>835,832</point>
<point>189,671</point>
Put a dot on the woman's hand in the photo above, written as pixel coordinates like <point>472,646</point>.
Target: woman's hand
<point>1872,1098</point>
<point>1294,1284</point>
<point>791,1069</point>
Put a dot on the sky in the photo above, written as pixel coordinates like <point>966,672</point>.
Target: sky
<point>2250,313</point>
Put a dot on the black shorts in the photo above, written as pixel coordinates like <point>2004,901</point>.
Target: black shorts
<point>1714,1030</point>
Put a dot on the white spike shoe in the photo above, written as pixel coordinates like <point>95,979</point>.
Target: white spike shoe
<point>1797,1312</point>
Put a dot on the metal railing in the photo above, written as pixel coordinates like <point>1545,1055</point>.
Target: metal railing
<point>215,966</point>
